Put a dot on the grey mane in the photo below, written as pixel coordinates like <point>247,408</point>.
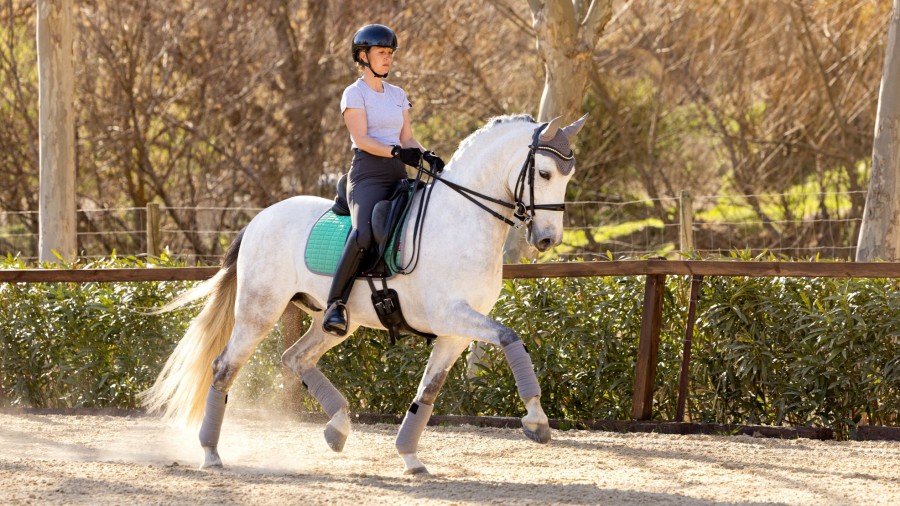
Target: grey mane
<point>510,118</point>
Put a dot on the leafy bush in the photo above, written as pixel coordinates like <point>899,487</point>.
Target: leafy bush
<point>819,352</point>
<point>84,344</point>
<point>799,351</point>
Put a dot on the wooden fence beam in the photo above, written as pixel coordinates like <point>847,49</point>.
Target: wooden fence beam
<point>686,222</point>
<point>106,275</point>
<point>648,348</point>
<point>704,268</point>
<point>521,271</point>
<point>684,376</point>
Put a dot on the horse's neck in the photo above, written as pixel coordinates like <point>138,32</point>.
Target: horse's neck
<point>484,165</point>
<point>484,168</point>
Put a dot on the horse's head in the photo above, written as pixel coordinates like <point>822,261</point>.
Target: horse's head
<point>540,190</point>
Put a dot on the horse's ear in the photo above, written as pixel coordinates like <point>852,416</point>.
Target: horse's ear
<point>550,132</point>
<point>572,130</point>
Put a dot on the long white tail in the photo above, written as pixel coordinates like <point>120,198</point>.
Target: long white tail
<point>179,392</point>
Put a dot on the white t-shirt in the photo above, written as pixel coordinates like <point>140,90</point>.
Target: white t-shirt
<point>384,111</point>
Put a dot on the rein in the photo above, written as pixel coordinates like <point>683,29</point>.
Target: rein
<point>522,212</point>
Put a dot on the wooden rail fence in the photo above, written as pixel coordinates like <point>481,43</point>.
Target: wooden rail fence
<point>654,270</point>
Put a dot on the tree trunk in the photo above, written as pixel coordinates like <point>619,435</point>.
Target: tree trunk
<point>879,236</point>
<point>303,78</point>
<point>57,130</point>
<point>566,31</point>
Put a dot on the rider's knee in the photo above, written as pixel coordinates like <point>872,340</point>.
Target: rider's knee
<point>362,238</point>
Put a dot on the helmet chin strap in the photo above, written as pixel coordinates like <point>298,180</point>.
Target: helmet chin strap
<point>366,64</point>
<point>376,74</point>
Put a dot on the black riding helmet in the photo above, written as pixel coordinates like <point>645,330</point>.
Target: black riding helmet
<point>373,36</point>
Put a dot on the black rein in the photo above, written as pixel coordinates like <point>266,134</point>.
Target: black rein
<point>522,212</point>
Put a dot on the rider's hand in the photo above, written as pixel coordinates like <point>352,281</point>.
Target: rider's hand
<point>409,156</point>
<point>434,161</point>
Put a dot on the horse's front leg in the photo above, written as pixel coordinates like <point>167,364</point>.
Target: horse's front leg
<point>445,352</point>
<point>535,423</point>
<point>466,321</point>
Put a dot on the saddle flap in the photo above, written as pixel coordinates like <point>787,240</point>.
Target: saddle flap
<point>387,214</point>
<point>381,226</point>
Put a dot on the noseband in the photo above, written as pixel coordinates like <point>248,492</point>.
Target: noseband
<point>521,211</point>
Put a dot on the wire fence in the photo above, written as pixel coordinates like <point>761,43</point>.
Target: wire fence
<point>798,226</point>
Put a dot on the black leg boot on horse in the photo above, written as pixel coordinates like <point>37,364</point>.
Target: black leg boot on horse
<point>336,316</point>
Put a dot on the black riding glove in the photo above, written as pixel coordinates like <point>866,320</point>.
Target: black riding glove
<point>409,156</point>
<point>434,161</point>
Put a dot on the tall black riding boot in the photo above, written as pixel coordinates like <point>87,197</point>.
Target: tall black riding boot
<point>336,317</point>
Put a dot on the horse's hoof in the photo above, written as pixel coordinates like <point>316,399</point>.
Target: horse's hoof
<point>335,438</point>
<point>211,460</point>
<point>417,470</point>
<point>336,430</point>
<point>413,464</point>
<point>541,434</point>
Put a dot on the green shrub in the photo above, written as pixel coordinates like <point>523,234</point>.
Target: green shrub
<point>84,344</point>
<point>817,352</point>
<point>799,351</point>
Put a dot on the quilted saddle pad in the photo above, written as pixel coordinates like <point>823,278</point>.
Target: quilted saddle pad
<point>326,243</point>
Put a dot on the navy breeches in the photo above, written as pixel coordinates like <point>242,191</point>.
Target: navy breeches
<point>371,180</point>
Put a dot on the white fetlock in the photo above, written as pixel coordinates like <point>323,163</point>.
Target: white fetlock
<point>535,424</point>
<point>337,430</point>
<point>211,458</point>
<point>413,464</point>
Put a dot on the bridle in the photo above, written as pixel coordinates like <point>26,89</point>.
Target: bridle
<point>525,213</point>
<point>522,212</point>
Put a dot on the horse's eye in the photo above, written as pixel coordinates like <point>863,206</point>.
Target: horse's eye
<point>544,174</point>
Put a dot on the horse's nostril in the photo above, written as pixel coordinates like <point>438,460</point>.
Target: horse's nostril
<point>545,244</point>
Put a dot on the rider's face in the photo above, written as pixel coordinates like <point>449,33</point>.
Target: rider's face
<point>379,58</point>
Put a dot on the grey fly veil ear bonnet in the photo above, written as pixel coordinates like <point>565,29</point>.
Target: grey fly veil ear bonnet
<point>557,142</point>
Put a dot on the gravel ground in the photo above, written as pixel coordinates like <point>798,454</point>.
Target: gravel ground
<point>78,459</point>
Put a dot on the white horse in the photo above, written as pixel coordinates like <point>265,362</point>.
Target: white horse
<point>513,168</point>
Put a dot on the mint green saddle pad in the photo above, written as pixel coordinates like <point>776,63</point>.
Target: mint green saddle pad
<point>326,243</point>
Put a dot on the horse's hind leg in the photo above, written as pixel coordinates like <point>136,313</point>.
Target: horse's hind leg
<point>302,358</point>
<point>445,352</point>
<point>249,330</point>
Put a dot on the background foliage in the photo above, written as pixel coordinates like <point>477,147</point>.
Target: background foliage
<point>819,352</point>
<point>234,103</point>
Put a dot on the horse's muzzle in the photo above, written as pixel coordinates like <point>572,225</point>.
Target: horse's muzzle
<point>544,240</point>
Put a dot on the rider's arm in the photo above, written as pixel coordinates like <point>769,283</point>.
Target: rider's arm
<point>406,135</point>
<point>355,119</point>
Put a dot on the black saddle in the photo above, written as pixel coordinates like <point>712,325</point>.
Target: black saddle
<point>386,215</point>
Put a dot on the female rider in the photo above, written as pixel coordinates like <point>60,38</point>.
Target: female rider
<point>377,115</point>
